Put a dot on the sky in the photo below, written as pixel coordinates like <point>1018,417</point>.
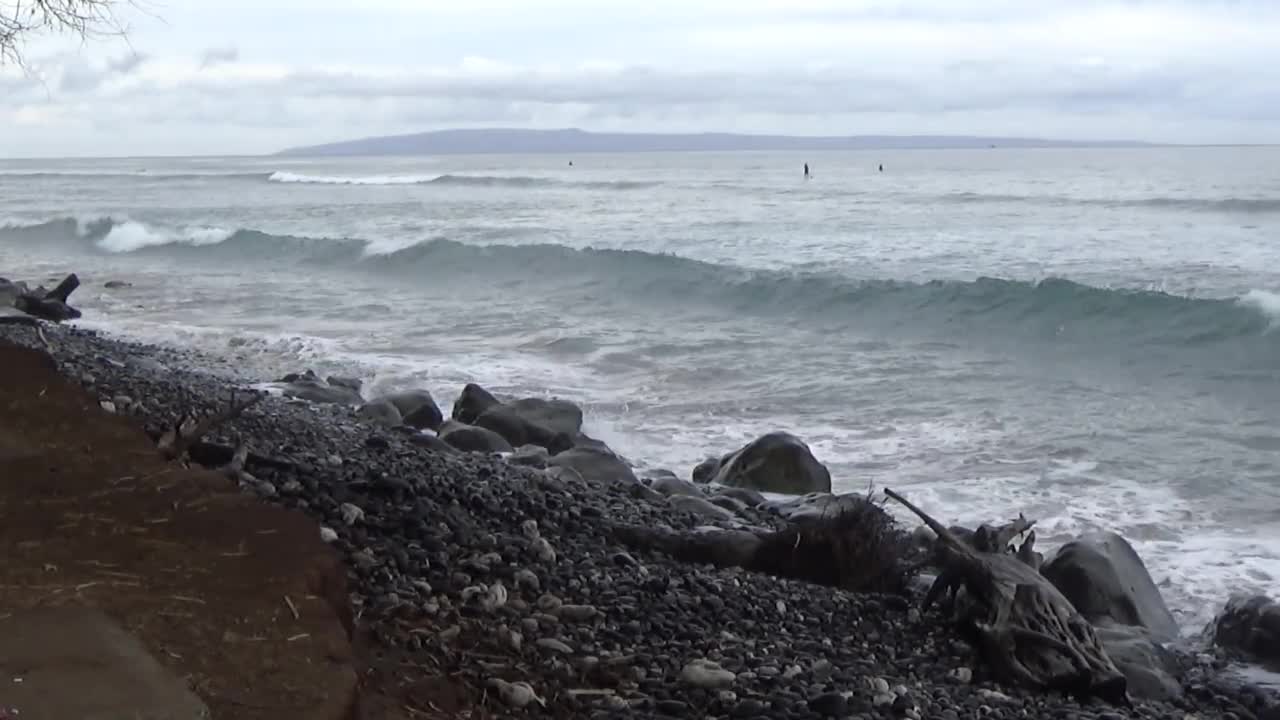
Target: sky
<point>216,77</point>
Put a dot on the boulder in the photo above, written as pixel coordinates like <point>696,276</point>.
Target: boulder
<point>668,484</point>
<point>1105,580</point>
<point>381,411</point>
<point>1151,670</point>
<point>418,409</point>
<point>347,382</point>
<point>432,443</point>
<point>746,496</point>
<point>473,401</point>
<point>779,463</point>
<point>732,504</point>
<point>1251,625</point>
<point>116,284</point>
<point>704,471</point>
<point>582,440</point>
<point>473,439</point>
<point>318,391</point>
<point>520,430</point>
<point>814,506</point>
<point>596,466</point>
<point>530,456</point>
<point>700,507</point>
<point>557,415</point>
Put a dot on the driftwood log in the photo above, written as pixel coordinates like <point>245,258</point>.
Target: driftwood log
<point>175,443</point>
<point>858,548</point>
<point>52,304</point>
<point>1024,627</point>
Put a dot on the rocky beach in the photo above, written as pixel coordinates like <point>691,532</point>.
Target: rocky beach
<point>506,550</point>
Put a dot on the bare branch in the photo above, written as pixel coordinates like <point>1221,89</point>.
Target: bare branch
<point>86,19</point>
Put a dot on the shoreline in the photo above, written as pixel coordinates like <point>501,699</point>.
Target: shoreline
<point>428,586</point>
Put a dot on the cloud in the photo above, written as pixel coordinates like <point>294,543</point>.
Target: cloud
<point>218,56</point>
<point>1172,70</point>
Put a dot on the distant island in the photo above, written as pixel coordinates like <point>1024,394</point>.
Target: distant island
<point>459,142</point>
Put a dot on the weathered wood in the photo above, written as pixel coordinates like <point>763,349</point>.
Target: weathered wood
<point>858,548</point>
<point>64,289</point>
<point>1025,628</point>
<point>174,443</point>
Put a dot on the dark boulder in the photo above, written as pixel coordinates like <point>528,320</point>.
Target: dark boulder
<point>582,440</point>
<point>704,471</point>
<point>1251,625</point>
<point>432,443</point>
<point>473,439</point>
<point>560,416</point>
<point>596,466</point>
<point>418,409</point>
<point>668,484</point>
<point>520,430</point>
<point>779,463</point>
<point>473,401</point>
<point>1151,670</point>
<point>313,389</point>
<point>1105,580</point>
<point>530,456</point>
<point>347,382</point>
<point>382,412</point>
<point>746,496</point>
<point>116,284</point>
<point>700,507</point>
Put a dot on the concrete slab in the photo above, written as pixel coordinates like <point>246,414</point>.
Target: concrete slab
<point>78,664</point>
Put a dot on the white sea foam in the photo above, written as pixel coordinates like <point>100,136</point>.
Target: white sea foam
<point>1264,301</point>
<point>132,235</point>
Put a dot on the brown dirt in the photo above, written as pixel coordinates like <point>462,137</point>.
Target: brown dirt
<point>240,598</point>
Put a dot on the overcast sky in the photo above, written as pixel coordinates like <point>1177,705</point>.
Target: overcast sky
<point>253,76</point>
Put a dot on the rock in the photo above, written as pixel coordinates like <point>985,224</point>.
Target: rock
<point>704,471</point>
<point>778,462</point>
<point>559,416</point>
<point>108,406</point>
<point>515,694</point>
<point>473,401</point>
<point>313,389</point>
<point>707,675</point>
<point>380,411</point>
<point>543,551</point>
<point>432,442</point>
<point>473,439</point>
<point>831,704</point>
<point>596,467</point>
<point>350,513</point>
<point>962,675</point>
<point>1106,581</point>
<point>530,456</point>
<point>355,384</point>
<point>669,484</point>
<point>418,409</point>
<point>1150,669</point>
<point>746,496</point>
<point>116,284</point>
<point>699,506</point>
<point>518,430</point>
<point>328,535</point>
<point>733,505</point>
<point>577,613</point>
<point>554,645</point>
<point>1250,625</point>
<point>814,506</point>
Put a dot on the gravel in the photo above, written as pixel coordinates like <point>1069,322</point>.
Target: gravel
<point>506,574</point>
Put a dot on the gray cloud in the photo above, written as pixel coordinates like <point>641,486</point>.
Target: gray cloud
<point>1151,70</point>
<point>218,56</point>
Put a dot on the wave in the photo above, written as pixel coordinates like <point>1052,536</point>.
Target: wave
<point>135,175</point>
<point>1253,205</point>
<point>1055,308</point>
<point>517,181</point>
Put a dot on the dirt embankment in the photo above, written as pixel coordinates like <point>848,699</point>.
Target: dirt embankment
<point>241,600</point>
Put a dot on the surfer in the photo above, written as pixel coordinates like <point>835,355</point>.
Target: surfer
<point>806,171</point>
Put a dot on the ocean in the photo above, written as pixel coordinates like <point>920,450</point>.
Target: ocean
<point>1084,336</point>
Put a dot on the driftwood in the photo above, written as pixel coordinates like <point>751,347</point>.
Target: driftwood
<point>50,304</point>
<point>858,548</point>
<point>1024,626</point>
<point>175,443</point>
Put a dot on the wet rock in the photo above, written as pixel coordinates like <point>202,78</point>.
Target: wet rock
<point>469,438</point>
<point>703,673</point>
<point>777,462</point>
<point>1250,625</point>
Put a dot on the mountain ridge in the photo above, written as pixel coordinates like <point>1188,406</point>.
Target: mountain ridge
<point>574,140</point>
